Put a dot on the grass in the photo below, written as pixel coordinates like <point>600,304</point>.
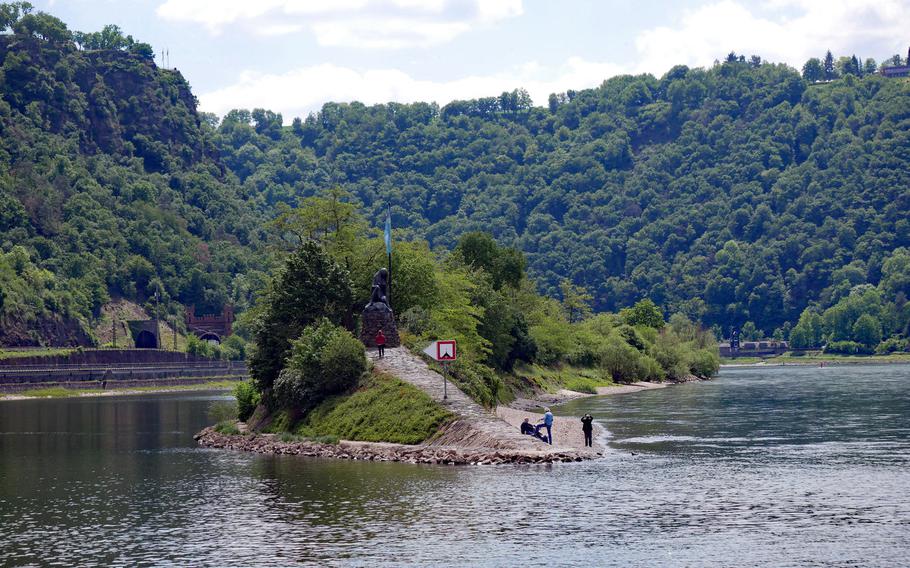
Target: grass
<point>46,352</point>
<point>385,409</point>
<point>550,379</point>
<point>62,392</point>
<point>226,427</point>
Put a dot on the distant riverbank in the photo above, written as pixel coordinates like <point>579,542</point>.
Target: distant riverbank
<point>826,360</point>
<point>59,392</point>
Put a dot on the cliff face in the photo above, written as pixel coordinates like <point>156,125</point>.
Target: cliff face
<point>111,101</point>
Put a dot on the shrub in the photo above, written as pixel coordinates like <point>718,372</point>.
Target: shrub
<point>892,345</point>
<point>704,364</point>
<point>234,348</point>
<point>222,410</point>
<point>247,399</point>
<point>848,348</point>
<point>326,360</point>
<point>671,356</point>
<point>227,427</point>
<point>621,361</point>
<point>477,381</point>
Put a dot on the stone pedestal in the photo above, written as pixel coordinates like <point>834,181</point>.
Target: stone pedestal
<point>375,317</point>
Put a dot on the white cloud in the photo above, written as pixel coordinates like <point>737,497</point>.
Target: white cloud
<point>369,24</point>
<point>301,91</point>
<point>788,31</point>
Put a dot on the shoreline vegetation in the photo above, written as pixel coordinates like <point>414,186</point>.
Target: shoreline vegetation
<point>827,359</point>
<point>63,392</point>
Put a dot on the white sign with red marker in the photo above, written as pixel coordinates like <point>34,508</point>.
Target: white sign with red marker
<point>442,350</point>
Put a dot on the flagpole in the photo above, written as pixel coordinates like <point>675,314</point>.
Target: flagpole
<point>389,249</point>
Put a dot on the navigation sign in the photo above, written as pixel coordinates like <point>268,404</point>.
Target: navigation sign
<point>445,350</point>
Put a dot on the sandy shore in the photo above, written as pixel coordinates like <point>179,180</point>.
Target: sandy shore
<point>566,429</point>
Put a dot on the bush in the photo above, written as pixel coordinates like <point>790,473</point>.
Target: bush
<point>848,348</point>
<point>892,345</point>
<point>234,348</point>
<point>326,360</point>
<point>477,381</point>
<point>227,427</point>
<point>247,399</point>
<point>222,411</point>
<point>621,361</point>
<point>705,364</point>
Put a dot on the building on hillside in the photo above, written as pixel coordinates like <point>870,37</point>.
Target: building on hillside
<point>210,327</point>
<point>763,348</point>
<point>144,333</point>
<point>897,70</point>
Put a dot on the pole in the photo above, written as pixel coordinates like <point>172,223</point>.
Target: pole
<point>389,251</point>
<point>175,333</point>
<point>114,332</point>
<point>445,386</point>
<point>157,325</point>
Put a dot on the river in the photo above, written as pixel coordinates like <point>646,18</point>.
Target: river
<point>761,467</point>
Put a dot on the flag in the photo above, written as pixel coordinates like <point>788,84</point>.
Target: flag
<point>388,232</point>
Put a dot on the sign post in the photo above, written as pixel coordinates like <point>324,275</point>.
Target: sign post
<point>443,351</point>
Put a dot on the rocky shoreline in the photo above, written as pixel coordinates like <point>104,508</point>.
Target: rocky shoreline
<point>378,451</point>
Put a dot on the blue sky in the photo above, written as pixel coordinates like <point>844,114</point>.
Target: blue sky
<point>291,56</point>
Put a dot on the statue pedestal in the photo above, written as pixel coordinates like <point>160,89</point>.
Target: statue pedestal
<point>375,318</point>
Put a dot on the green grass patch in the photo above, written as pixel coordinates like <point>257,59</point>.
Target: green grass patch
<point>385,409</point>
<point>552,379</point>
<point>63,392</point>
<point>49,352</point>
<point>227,427</point>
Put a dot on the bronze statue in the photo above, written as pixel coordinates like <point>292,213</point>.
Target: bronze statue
<point>379,295</point>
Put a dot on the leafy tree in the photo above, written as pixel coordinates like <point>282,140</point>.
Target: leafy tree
<point>867,331</point>
<point>325,360</point>
<point>645,312</point>
<point>870,66</point>
<point>830,71</point>
<point>309,286</point>
<point>575,301</point>
<point>813,70</point>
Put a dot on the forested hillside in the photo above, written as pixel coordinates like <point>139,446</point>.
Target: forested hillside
<point>110,185</point>
<point>735,194</point>
<point>739,195</point>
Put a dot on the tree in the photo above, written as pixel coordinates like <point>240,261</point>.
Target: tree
<point>830,71</point>
<point>755,61</point>
<point>504,265</point>
<point>576,301</point>
<point>309,286</point>
<point>867,330</point>
<point>325,360</point>
<point>813,70</point>
<point>870,66</point>
<point>645,312</point>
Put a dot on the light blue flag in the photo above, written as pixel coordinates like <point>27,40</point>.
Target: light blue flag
<point>388,233</point>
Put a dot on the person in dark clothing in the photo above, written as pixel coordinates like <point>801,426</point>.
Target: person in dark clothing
<point>527,427</point>
<point>380,343</point>
<point>588,428</point>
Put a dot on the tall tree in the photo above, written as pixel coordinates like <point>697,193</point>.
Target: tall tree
<point>830,72</point>
<point>813,70</point>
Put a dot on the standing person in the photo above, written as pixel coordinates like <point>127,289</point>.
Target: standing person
<point>588,429</point>
<point>380,343</point>
<point>548,424</point>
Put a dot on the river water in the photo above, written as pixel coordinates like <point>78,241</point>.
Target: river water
<point>761,467</point>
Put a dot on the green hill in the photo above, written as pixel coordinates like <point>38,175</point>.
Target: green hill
<point>735,194</point>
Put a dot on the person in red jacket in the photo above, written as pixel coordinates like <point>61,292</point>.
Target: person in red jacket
<point>380,343</point>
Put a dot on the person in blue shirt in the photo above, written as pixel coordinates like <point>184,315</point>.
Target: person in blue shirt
<point>548,424</point>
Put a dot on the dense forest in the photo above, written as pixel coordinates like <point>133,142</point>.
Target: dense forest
<point>741,195</point>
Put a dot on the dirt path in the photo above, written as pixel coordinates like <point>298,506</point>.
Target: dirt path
<point>477,427</point>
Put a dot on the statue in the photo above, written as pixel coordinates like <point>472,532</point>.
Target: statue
<point>377,315</point>
<point>379,294</point>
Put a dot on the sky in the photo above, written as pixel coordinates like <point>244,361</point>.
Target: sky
<point>291,56</point>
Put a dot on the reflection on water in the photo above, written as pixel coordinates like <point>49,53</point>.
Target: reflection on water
<point>761,467</point>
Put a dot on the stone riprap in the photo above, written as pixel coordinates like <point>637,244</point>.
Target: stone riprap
<point>377,451</point>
